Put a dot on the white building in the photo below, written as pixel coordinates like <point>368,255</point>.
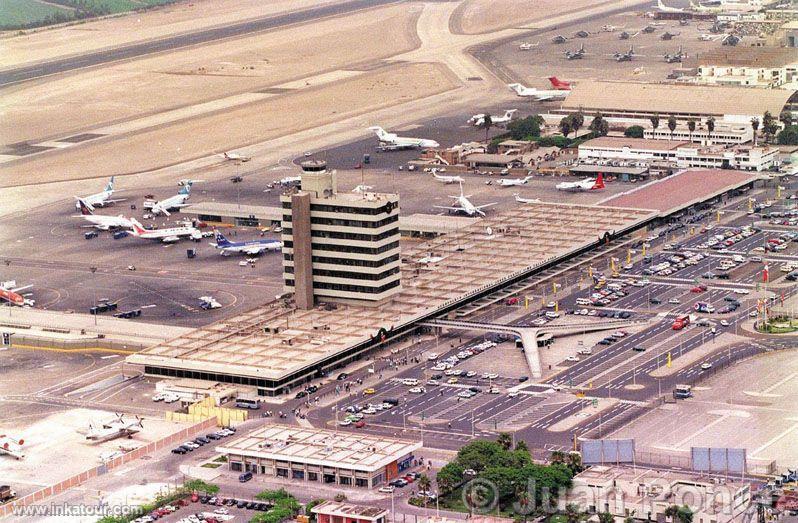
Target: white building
<point>764,67</point>
<point>744,158</point>
<point>727,133</point>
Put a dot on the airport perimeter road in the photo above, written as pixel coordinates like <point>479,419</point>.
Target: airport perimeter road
<point>22,74</point>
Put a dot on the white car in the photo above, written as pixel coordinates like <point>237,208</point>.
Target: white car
<point>388,489</point>
<point>221,510</point>
<point>572,358</point>
<point>169,397</point>
<point>432,356</point>
<point>369,411</point>
<point>741,291</point>
<point>724,323</point>
<point>706,366</point>
<point>494,390</point>
<point>513,394</point>
<point>345,422</point>
<point>191,444</point>
<point>410,382</point>
<point>490,376</point>
<point>674,301</point>
<point>158,397</point>
<point>552,315</point>
<point>417,390</point>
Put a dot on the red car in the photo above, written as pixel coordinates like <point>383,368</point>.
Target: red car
<point>513,301</point>
<point>698,288</point>
<point>360,424</point>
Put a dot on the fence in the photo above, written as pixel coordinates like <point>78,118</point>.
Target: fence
<point>27,341</point>
<point>82,477</point>
<point>207,409</point>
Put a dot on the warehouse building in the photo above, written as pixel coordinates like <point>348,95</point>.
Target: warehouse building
<point>765,67</point>
<point>320,456</point>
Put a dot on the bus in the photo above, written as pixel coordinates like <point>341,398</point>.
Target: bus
<point>681,322</point>
<point>247,403</point>
<point>682,392</point>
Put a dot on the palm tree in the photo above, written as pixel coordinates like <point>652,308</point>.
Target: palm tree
<point>572,513</point>
<point>521,445</point>
<point>769,126</point>
<point>786,118</point>
<point>424,484</point>
<point>672,124</point>
<point>691,127</point>
<point>684,514</point>
<point>606,517</point>
<point>486,124</point>
<point>672,512</point>
<point>557,456</point>
<point>599,125</point>
<point>505,440</point>
<point>654,122</point>
<point>575,462</point>
<point>755,127</point>
<point>577,120</point>
<point>565,126</point>
<point>710,126</point>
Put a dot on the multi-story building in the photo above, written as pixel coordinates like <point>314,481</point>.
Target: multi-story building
<point>744,158</point>
<point>339,246</point>
<point>765,67</point>
<point>727,133</point>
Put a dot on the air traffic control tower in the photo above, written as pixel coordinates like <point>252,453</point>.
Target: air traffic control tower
<point>339,246</point>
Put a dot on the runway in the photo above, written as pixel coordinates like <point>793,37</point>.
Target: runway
<point>32,72</point>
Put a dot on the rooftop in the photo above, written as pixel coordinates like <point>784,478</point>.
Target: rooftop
<point>320,447</point>
<point>644,476</point>
<point>672,193</point>
<point>277,340</point>
<point>616,142</point>
<point>759,57</point>
<point>665,99</point>
<point>349,510</point>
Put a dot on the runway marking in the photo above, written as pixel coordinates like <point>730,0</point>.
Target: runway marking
<point>774,440</point>
<point>702,430</point>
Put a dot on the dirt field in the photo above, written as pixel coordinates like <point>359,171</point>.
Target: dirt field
<point>278,116</point>
<point>182,78</point>
<point>48,44</point>
<point>484,16</point>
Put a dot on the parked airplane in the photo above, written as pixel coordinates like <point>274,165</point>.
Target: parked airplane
<point>479,119</point>
<point>512,182</point>
<point>464,205</point>
<point>291,180</point>
<point>100,199</point>
<point>705,37</point>
<point>559,39</point>
<point>447,179</point>
<point>576,55</point>
<point>667,35</point>
<point>625,57</point>
<point>114,429</point>
<point>170,235</point>
<point>249,247</point>
<point>610,28</point>
<point>208,303</point>
<point>177,201</point>
<point>390,141</point>
<point>101,222</point>
<point>526,46</point>
<point>9,292</point>
<point>581,34</point>
<point>558,84</point>
<point>662,8</point>
<point>678,56</point>
<point>587,184</point>
<point>11,447</point>
<point>236,157</point>
<point>625,35</point>
<point>539,94</point>
<point>519,199</point>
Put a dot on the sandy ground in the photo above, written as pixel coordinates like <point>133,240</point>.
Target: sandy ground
<point>483,16</point>
<point>260,121</point>
<point>165,81</point>
<point>48,44</point>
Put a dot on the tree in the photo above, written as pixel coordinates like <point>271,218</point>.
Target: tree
<point>755,127</point>
<point>684,514</point>
<point>654,121</point>
<point>710,126</point>
<point>573,514</point>
<point>525,128</point>
<point>565,126</point>
<point>197,485</point>
<point>634,131</point>
<point>769,126</point>
<point>672,512</point>
<point>577,121</point>
<point>309,506</point>
<point>449,477</point>
<point>786,118</point>
<point>505,440</point>
<point>672,124</point>
<point>557,456</point>
<point>599,125</point>
<point>574,462</point>
<point>424,485</point>
<point>788,136</point>
<point>486,123</point>
<point>606,517</point>
<point>520,446</point>
<point>691,127</point>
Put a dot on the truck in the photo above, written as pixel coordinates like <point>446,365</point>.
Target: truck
<point>702,306</point>
<point>682,392</point>
<point>681,322</point>
<point>6,494</point>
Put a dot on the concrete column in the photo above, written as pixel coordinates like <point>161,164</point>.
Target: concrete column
<point>303,262</point>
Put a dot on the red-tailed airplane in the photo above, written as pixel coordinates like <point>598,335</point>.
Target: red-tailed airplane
<point>11,447</point>
<point>9,292</point>
<point>559,84</point>
<point>587,184</point>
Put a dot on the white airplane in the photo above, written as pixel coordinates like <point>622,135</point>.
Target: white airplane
<point>209,302</point>
<point>362,188</point>
<point>251,247</point>
<point>588,184</point>
<point>705,37</point>
<point>526,46</point>
<point>464,205</point>
<point>187,181</point>
<point>447,179</point>
<point>9,292</point>
<point>236,157</point>
<point>539,94</point>
<point>178,201</point>
<point>662,8</point>
<point>390,141</point>
<point>512,182</point>
<point>100,199</point>
<point>170,235</point>
<point>291,180</point>
<point>11,447</point>
<point>479,119</point>
<point>114,429</point>
<point>101,222</point>
<point>519,199</point>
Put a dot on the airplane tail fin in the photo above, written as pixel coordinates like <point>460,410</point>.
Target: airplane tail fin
<point>599,182</point>
<point>186,189</point>
<point>518,88</point>
<point>221,241</point>
<point>85,210</point>
<point>379,131</point>
<point>137,227</point>
<point>110,186</point>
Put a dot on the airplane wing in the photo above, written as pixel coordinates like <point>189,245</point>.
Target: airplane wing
<point>486,205</point>
<point>20,288</point>
<point>449,208</point>
<point>115,200</point>
<point>544,97</point>
<point>254,250</point>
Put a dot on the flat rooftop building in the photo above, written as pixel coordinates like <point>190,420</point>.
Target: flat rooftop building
<point>344,512</point>
<point>318,455</point>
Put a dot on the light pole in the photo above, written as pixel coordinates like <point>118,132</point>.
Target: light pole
<point>94,287</point>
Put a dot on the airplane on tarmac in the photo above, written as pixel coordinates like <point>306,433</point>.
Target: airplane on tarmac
<point>625,35</point>
<point>559,39</point>
<point>625,57</point>
<point>576,55</point>
<point>170,235</point>
<point>208,303</point>
<point>705,37</point>
<point>526,46</point>
<point>11,447</point>
<point>9,292</point>
<point>392,142</point>
<point>249,247</point>
<point>98,221</point>
<point>447,179</point>
<point>512,182</point>
<point>678,56</point>
<point>667,35</point>
<point>479,119</point>
<point>558,84</point>
<point>587,184</point>
<point>464,205</point>
<point>291,180</point>
<point>519,199</point>
<point>236,157</point>
<point>116,428</point>
<point>539,94</point>
<point>100,199</point>
<point>177,201</point>
<point>662,8</point>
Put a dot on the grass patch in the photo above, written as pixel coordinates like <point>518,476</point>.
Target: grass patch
<point>25,14</point>
<point>211,465</point>
<point>221,459</point>
<point>20,13</point>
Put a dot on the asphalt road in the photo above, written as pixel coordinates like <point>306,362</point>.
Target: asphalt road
<point>31,72</point>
